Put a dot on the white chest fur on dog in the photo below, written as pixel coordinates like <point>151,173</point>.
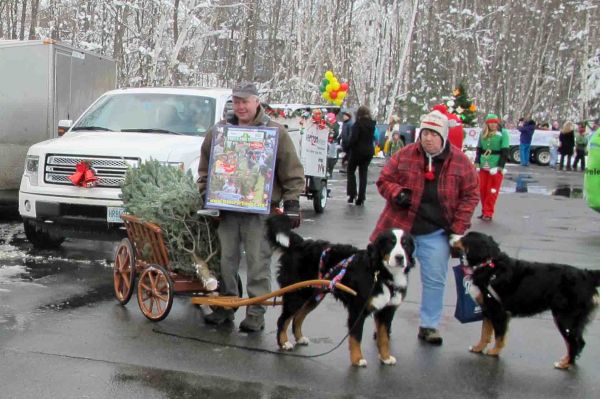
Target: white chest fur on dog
<point>386,298</point>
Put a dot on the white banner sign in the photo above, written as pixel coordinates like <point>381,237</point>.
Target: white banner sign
<point>540,137</point>
<point>311,145</point>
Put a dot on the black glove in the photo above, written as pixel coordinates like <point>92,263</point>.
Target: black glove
<point>403,199</point>
<point>292,209</point>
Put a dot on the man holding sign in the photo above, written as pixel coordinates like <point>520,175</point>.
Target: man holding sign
<point>238,226</point>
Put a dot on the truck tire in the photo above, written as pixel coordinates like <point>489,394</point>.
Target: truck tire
<point>39,238</point>
<point>542,156</point>
<point>514,155</point>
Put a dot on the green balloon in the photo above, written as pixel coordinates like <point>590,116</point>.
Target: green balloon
<point>324,82</point>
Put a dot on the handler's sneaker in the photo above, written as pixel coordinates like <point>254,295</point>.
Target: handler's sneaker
<point>253,323</point>
<point>430,335</point>
<point>219,316</point>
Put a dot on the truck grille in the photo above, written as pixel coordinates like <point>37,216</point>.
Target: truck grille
<point>109,170</point>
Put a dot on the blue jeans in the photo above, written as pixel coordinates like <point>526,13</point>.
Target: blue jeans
<point>525,152</point>
<point>553,156</point>
<point>432,252</point>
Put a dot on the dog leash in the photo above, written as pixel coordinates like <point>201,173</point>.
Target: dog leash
<point>278,352</point>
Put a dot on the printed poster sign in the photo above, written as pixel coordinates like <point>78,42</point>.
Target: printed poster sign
<point>242,168</point>
<point>313,150</point>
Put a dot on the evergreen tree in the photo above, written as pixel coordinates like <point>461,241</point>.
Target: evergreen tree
<point>169,197</point>
<point>461,105</point>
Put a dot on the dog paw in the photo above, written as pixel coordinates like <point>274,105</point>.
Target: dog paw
<point>361,363</point>
<point>303,341</point>
<point>287,346</point>
<point>390,361</point>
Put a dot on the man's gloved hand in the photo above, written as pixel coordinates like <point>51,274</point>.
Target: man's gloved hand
<point>503,171</point>
<point>403,199</point>
<point>292,209</point>
<point>477,168</point>
<point>493,171</point>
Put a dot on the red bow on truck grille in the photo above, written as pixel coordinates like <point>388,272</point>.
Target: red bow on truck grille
<point>84,175</point>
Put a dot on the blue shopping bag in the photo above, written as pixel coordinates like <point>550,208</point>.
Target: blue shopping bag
<point>467,310</point>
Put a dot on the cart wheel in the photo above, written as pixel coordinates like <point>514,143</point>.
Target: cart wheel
<point>320,198</point>
<point>155,292</point>
<point>124,271</point>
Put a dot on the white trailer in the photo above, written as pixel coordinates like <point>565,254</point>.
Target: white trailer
<point>42,82</point>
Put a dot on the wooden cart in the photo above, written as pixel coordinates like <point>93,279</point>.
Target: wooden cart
<point>143,256</point>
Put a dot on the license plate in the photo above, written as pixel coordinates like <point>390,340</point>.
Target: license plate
<point>113,214</point>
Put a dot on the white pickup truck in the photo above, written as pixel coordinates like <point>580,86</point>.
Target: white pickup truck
<point>119,130</point>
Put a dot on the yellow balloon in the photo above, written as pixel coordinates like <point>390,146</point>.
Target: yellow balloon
<point>326,96</point>
<point>329,75</point>
<point>329,87</point>
<point>342,94</point>
<point>336,85</point>
<point>338,102</point>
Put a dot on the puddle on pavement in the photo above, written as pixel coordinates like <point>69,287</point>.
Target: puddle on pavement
<point>22,265</point>
<point>99,294</point>
<point>526,183</point>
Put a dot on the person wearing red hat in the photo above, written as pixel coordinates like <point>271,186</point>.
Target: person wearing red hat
<point>491,156</point>
<point>431,192</point>
<point>456,134</point>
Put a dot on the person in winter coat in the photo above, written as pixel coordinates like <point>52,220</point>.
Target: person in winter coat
<point>567,142</point>
<point>332,148</point>
<point>581,143</point>
<point>394,144</point>
<point>491,156</point>
<point>237,229</point>
<point>361,151</point>
<point>431,191</point>
<point>554,146</point>
<point>345,138</point>
<point>525,141</point>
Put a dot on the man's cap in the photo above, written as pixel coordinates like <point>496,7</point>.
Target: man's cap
<point>244,90</point>
<point>437,122</point>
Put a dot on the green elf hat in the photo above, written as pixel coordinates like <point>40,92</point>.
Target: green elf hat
<point>492,118</point>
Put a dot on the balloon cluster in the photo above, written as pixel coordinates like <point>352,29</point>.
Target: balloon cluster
<point>332,90</point>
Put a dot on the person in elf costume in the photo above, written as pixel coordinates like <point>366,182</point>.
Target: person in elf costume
<point>491,156</point>
<point>591,181</point>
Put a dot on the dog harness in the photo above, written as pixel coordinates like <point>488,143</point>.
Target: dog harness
<point>491,291</point>
<point>338,272</point>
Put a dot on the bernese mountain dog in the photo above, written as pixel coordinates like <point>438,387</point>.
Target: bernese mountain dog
<point>511,287</point>
<point>378,274</point>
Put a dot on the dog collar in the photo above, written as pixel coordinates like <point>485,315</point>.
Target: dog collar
<point>488,263</point>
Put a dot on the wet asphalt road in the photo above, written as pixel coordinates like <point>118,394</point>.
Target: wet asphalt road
<point>63,336</point>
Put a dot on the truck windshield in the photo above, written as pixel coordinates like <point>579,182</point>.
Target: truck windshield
<point>151,112</point>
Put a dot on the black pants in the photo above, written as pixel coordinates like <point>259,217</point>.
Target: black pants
<point>330,165</point>
<point>579,156</point>
<point>363,169</point>
<point>562,161</point>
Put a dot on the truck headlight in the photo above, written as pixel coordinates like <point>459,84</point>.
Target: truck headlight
<point>32,163</point>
